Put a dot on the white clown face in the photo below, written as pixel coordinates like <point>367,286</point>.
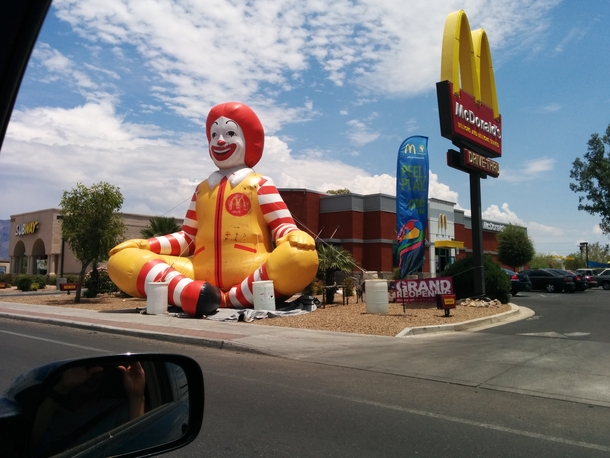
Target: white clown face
<point>227,143</point>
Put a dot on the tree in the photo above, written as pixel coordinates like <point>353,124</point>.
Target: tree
<point>160,225</point>
<point>574,261</point>
<point>338,191</point>
<point>515,247</point>
<point>592,175</point>
<point>90,224</point>
<point>330,260</point>
<point>545,261</point>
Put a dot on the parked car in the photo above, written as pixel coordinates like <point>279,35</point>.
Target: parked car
<point>590,276</point>
<point>603,279</point>
<point>518,281</point>
<point>550,281</point>
<point>579,280</point>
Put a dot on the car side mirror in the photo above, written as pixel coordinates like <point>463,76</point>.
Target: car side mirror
<point>120,405</point>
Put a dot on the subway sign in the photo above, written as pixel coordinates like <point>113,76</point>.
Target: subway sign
<point>469,115</point>
<point>26,228</point>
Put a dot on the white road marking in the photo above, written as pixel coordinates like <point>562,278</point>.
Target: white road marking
<point>27,336</point>
<point>555,335</point>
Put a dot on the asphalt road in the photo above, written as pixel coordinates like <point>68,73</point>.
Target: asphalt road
<point>273,407</point>
<point>581,315</point>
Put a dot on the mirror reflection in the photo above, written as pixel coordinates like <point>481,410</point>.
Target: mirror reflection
<point>111,409</point>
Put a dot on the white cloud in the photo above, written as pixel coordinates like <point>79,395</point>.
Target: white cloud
<point>359,134</point>
<point>441,191</point>
<point>530,170</point>
<point>201,53</point>
<point>504,215</point>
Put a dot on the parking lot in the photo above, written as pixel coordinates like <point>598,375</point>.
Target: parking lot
<point>579,315</point>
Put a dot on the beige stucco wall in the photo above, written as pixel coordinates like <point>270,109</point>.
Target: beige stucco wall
<point>43,240</point>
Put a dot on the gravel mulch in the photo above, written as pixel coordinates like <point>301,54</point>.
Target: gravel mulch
<point>351,317</point>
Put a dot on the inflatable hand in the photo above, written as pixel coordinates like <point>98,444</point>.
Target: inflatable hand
<point>298,239</point>
<point>141,244</point>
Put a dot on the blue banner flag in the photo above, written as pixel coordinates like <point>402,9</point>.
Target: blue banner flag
<point>412,203</point>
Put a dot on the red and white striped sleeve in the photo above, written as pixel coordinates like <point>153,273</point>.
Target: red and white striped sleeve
<point>181,243</point>
<point>274,209</point>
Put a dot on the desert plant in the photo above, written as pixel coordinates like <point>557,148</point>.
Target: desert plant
<point>348,287</point>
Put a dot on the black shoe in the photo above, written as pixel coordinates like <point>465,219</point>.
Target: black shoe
<point>210,298</point>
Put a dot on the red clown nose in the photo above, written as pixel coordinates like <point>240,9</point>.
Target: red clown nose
<point>249,123</point>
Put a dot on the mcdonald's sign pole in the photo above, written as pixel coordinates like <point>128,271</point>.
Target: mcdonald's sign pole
<point>469,117</point>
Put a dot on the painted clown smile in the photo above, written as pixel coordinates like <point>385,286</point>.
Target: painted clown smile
<point>223,152</point>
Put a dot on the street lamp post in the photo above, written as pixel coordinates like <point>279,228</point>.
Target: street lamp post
<point>584,246</point>
<point>63,243</point>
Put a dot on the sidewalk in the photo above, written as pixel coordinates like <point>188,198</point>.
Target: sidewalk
<point>239,336</point>
<point>567,369</point>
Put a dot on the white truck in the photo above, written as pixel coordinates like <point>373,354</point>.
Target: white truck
<point>602,278</point>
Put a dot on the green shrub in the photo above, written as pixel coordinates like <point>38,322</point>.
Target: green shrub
<point>100,283</point>
<point>40,279</point>
<point>8,278</point>
<point>24,282</point>
<point>497,283</point>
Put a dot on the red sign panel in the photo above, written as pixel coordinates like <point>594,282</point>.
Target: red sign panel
<point>422,290</point>
<point>467,123</point>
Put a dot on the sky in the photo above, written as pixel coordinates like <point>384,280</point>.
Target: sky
<point>119,90</point>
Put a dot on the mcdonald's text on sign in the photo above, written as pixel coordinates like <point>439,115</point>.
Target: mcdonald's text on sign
<point>467,124</point>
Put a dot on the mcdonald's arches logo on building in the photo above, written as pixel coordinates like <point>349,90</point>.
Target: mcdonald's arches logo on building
<point>442,221</point>
<point>469,115</point>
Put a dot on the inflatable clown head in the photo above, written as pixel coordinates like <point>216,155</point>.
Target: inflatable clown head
<point>235,135</point>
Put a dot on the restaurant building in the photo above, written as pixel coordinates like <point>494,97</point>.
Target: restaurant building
<point>365,225</point>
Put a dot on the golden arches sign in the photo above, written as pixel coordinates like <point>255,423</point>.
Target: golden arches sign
<point>469,114</point>
<point>467,54</point>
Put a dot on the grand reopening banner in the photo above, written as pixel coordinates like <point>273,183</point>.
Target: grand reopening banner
<point>422,290</point>
<point>412,203</point>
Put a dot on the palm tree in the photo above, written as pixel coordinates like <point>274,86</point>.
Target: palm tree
<point>330,260</point>
<point>160,225</point>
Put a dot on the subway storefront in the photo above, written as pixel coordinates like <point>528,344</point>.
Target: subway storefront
<point>36,245</point>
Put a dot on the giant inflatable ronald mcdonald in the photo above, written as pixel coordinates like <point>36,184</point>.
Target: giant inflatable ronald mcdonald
<point>237,230</point>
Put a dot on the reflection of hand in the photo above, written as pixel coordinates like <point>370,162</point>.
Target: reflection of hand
<point>298,239</point>
<point>134,379</point>
<point>74,377</point>
<point>141,244</point>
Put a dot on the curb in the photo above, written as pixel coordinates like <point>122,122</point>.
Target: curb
<point>485,321</point>
<point>145,334</point>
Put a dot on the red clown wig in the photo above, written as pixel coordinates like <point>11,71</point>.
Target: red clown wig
<point>249,123</point>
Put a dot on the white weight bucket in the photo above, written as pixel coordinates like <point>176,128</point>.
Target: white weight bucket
<point>156,298</point>
<point>264,299</point>
<point>376,296</point>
